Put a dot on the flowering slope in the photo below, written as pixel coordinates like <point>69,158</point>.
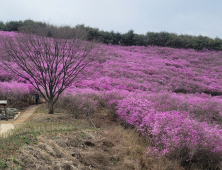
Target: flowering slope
<point>171,95</point>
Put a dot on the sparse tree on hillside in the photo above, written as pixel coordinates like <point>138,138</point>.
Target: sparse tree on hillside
<point>50,64</point>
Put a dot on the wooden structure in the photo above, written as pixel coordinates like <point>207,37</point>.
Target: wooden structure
<point>4,103</point>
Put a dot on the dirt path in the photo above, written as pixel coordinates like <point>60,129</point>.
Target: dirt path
<point>5,126</point>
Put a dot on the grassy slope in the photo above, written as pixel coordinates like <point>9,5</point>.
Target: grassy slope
<point>60,141</point>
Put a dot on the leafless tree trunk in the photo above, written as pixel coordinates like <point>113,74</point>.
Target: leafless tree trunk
<point>50,64</point>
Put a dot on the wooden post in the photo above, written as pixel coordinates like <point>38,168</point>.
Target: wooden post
<point>4,103</point>
<point>6,114</point>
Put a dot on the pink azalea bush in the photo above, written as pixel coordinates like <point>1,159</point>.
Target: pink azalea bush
<point>172,133</point>
<point>15,92</point>
<point>178,136</point>
<point>201,107</point>
<point>146,69</point>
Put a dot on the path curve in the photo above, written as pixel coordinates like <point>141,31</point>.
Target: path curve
<point>5,126</point>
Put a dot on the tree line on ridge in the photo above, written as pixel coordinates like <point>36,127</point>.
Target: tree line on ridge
<point>130,38</point>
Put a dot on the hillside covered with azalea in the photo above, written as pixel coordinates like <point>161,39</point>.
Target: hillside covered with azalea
<point>172,96</point>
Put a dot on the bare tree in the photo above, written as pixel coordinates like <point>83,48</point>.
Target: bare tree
<point>50,64</point>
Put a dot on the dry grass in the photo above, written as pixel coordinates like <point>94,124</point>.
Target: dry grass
<point>131,147</point>
<point>54,144</point>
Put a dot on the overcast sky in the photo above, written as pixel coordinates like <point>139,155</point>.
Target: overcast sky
<point>195,17</point>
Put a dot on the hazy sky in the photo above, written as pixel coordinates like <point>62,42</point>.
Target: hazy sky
<point>177,16</point>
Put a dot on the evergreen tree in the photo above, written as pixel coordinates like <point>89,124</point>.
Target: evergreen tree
<point>2,25</point>
<point>128,38</point>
